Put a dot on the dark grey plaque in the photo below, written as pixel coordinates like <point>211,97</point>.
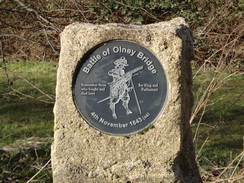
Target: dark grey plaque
<point>119,87</point>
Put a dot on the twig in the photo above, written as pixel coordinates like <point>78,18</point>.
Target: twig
<point>235,168</point>
<point>81,11</point>
<point>199,152</point>
<point>215,83</point>
<point>13,25</point>
<point>24,39</point>
<point>5,66</point>
<point>21,93</point>
<point>66,9</point>
<point>45,32</point>
<point>47,95</point>
<point>223,47</point>
<point>201,32</point>
<point>211,22</point>
<point>133,7</point>
<point>240,155</point>
<point>204,99</point>
<point>199,122</point>
<point>39,17</point>
<point>9,135</point>
<point>39,171</point>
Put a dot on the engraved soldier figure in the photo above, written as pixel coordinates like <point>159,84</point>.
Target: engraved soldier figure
<point>119,88</point>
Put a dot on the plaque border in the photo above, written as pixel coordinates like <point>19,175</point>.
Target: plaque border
<point>78,67</point>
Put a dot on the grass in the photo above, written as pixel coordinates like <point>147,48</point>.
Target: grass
<point>25,112</point>
<point>221,127</point>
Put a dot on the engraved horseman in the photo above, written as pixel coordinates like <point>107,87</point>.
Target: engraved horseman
<point>119,87</point>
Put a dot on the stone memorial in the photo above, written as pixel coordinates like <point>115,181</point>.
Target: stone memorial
<point>123,104</point>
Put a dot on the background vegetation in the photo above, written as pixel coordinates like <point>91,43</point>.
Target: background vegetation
<point>29,47</point>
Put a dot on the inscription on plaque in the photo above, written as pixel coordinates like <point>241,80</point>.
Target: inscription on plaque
<point>120,87</point>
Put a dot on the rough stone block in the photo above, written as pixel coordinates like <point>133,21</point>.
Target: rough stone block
<point>164,152</point>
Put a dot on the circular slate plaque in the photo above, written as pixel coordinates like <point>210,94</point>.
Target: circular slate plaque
<point>119,87</point>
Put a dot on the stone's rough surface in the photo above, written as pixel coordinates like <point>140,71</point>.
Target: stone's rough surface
<point>162,153</point>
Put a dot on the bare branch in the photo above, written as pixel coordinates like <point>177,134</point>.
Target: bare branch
<point>76,4</point>
<point>39,171</point>
<point>50,42</point>
<point>17,91</point>
<point>151,15</point>
<point>47,95</point>
<point>28,40</point>
<point>239,156</point>
<point>200,150</point>
<point>13,25</point>
<point>39,17</point>
<point>5,67</point>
